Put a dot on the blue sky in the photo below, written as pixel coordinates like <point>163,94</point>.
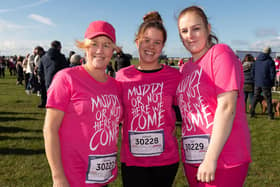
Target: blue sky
<point>242,24</point>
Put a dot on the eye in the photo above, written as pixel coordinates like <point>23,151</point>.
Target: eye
<point>146,40</point>
<point>157,42</point>
<point>184,30</point>
<point>107,45</point>
<point>94,44</point>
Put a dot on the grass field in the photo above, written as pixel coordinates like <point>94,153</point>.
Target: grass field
<point>23,162</point>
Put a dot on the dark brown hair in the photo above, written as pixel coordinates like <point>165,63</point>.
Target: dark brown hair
<point>151,20</point>
<point>248,58</point>
<point>212,39</point>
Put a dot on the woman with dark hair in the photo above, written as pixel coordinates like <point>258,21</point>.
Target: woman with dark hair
<point>149,152</point>
<point>247,64</point>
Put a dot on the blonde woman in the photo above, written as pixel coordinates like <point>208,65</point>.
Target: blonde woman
<point>83,114</point>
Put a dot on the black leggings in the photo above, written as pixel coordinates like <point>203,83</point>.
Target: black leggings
<point>160,176</point>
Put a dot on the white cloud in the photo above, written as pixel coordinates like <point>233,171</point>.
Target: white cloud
<point>239,43</point>
<point>274,43</point>
<point>8,26</point>
<point>24,6</point>
<point>23,47</point>
<point>20,47</point>
<point>266,32</point>
<point>41,19</point>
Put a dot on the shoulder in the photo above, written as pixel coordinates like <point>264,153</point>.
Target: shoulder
<point>125,71</point>
<point>69,72</point>
<point>171,70</point>
<point>220,48</point>
<point>223,51</point>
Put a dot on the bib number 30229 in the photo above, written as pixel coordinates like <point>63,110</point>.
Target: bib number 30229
<point>195,147</point>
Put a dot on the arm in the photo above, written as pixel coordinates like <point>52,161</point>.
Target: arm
<point>52,124</point>
<point>223,121</point>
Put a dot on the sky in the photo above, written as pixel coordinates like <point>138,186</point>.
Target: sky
<point>242,24</point>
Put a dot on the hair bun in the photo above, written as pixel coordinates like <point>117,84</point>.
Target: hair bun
<point>152,16</point>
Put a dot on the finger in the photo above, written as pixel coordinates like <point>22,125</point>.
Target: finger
<point>212,178</point>
<point>207,178</point>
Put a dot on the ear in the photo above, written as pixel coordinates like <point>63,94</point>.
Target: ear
<point>137,42</point>
<point>209,28</point>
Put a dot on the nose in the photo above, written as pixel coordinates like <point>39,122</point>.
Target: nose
<point>100,49</point>
<point>190,34</point>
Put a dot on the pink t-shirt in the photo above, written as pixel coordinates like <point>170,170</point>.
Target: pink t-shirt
<point>90,127</point>
<point>216,72</point>
<point>149,132</point>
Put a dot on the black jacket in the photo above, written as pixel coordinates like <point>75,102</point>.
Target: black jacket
<point>51,63</point>
<point>122,60</point>
<point>247,68</point>
<point>263,71</point>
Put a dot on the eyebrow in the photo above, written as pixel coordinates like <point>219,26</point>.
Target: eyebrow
<point>151,39</point>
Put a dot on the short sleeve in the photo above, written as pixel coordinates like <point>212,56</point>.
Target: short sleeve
<point>226,70</point>
<point>59,92</point>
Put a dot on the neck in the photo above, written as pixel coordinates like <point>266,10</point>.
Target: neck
<point>98,74</point>
<point>197,56</point>
<point>153,66</point>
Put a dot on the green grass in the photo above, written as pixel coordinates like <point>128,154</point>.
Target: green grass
<point>23,162</point>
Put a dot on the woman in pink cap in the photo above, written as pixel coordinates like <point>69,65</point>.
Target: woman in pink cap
<point>215,134</point>
<point>83,115</point>
<point>149,151</point>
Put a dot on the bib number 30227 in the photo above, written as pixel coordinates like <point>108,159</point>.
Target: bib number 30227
<point>100,168</point>
<point>195,147</point>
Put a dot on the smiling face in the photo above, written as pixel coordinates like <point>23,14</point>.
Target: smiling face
<point>150,46</point>
<point>99,52</point>
<point>194,34</point>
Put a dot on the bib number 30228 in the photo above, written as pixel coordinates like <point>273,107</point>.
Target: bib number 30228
<point>195,147</point>
<point>147,143</point>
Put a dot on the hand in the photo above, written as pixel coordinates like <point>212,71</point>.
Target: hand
<point>206,171</point>
<point>61,182</point>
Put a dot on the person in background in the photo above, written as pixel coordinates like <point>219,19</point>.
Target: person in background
<point>25,74</point>
<point>19,70</point>
<point>180,62</point>
<point>71,53</point>
<point>83,114</point>
<point>42,92</point>
<point>52,62</point>
<point>277,68</point>
<point>215,134</point>
<point>263,73</point>
<point>247,64</point>
<point>75,60</point>
<point>149,149</point>
<point>171,62</point>
<point>110,70</point>
<point>121,60</point>
<point>2,67</point>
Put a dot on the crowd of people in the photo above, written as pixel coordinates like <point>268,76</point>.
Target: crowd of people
<point>87,100</point>
<point>261,75</point>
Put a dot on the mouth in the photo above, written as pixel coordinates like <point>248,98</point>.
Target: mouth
<point>99,57</point>
<point>149,53</point>
<point>191,43</point>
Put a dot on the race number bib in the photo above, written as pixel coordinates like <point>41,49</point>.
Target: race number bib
<point>147,143</point>
<point>100,168</point>
<point>195,147</point>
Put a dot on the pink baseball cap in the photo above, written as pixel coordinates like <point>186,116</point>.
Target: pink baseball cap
<point>97,28</point>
